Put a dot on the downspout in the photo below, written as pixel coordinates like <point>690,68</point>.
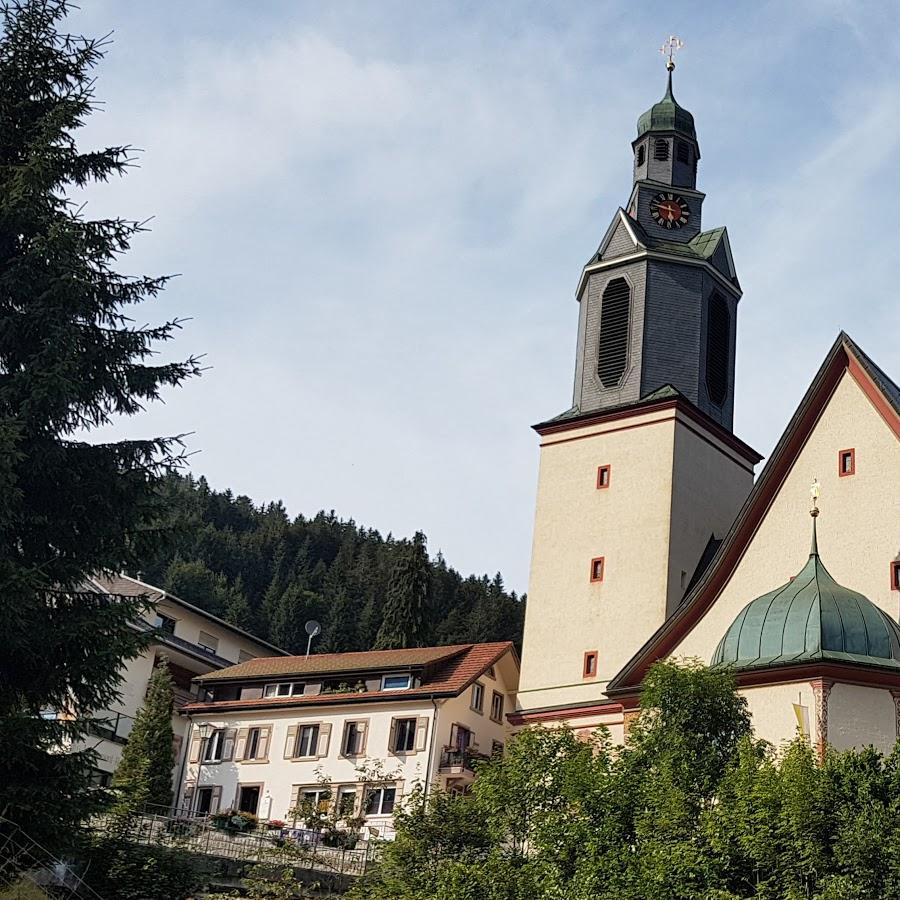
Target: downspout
<point>431,745</point>
<point>179,792</point>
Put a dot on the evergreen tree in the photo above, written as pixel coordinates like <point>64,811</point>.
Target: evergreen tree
<point>341,626</point>
<point>144,775</point>
<point>404,613</point>
<point>70,361</point>
<point>294,609</point>
<point>237,608</point>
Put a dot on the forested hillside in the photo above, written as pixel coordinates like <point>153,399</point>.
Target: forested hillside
<point>269,574</point>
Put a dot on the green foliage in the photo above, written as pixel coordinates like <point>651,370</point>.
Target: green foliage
<point>403,624</point>
<point>144,775</point>
<point>692,807</point>
<point>269,575</point>
<point>71,361</point>
<point>115,867</point>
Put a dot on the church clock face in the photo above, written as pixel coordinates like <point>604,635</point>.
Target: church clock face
<point>670,211</point>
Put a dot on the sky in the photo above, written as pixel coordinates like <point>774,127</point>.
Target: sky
<point>379,211</point>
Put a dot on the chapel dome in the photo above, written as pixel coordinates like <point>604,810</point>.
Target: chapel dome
<point>811,618</point>
<point>667,115</point>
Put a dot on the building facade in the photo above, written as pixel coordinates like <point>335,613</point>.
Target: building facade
<point>353,730</point>
<point>192,641</point>
<point>652,536</point>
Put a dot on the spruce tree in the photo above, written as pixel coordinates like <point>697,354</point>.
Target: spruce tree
<point>144,776</point>
<point>404,612</point>
<point>70,361</point>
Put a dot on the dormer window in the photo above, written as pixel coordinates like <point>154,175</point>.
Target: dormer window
<point>641,155</point>
<point>661,149</point>
<point>395,682</point>
<point>284,689</point>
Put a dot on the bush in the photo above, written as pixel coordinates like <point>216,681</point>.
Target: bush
<point>234,820</point>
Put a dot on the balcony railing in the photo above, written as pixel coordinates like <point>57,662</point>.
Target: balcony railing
<point>454,759</point>
<point>112,726</point>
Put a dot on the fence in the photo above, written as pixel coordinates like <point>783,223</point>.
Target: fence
<point>295,847</point>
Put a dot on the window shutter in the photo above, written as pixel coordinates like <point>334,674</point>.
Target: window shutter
<point>454,735</point>
<point>421,733</point>
<point>196,742</point>
<point>324,738</point>
<point>228,744</point>
<point>187,797</point>
<point>614,315</point>
<point>363,729</point>
<point>392,737</point>
<point>177,741</point>
<point>262,748</point>
<point>215,799</point>
<point>241,747</point>
<point>290,745</point>
<point>295,799</point>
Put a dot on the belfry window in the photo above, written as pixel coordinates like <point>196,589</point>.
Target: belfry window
<point>684,153</point>
<point>641,155</point>
<point>661,149</point>
<point>718,349</point>
<point>614,314</point>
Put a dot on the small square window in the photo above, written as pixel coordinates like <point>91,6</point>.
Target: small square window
<point>598,568</point>
<point>590,664</point>
<point>603,476</point>
<point>395,682</point>
<point>847,462</point>
<point>895,575</point>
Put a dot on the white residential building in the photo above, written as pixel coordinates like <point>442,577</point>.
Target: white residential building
<point>194,642</point>
<point>268,731</point>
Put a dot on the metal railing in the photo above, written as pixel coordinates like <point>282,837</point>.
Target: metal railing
<point>112,726</point>
<point>453,757</point>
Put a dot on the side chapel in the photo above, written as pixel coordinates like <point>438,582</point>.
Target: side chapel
<point>652,537</point>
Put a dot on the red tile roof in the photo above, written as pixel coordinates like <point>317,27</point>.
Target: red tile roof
<point>448,672</point>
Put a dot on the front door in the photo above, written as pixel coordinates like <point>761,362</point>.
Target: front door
<point>248,798</point>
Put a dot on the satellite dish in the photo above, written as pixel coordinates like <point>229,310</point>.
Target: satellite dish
<point>312,629</point>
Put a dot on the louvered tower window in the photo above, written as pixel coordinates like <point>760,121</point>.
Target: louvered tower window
<point>684,152</point>
<point>614,312</point>
<point>641,151</point>
<point>661,149</point>
<point>718,349</point>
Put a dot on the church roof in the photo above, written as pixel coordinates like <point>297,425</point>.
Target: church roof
<point>812,618</point>
<point>667,115</point>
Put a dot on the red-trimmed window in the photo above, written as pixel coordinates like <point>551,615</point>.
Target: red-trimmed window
<point>598,568</point>
<point>603,475</point>
<point>589,669</point>
<point>895,575</point>
<point>847,462</point>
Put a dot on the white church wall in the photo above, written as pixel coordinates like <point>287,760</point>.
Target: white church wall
<point>859,716</point>
<point>858,531</point>
<point>775,718</point>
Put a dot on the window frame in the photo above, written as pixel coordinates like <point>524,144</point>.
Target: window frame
<point>307,728</point>
<point>405,687</point>
<point>163,620</point>
<point>477,693</point>
<point>614,336</point>
<point>381,792</point>
<point>598,562</point>
<point>345,790</point>
<point>410,730</point>
<point>604,477</point>
<point>359,734</point>
<point>640,155</point>
<point>683,152</point>
<point>849,454</point>
<point>895,574</point>
<point>718,311</point>
<point>253,735</point>
<point>496,695</point>
<point>590,664</point>
<point>215,740</point>
<point>206,647</point>
<point>661,150</point>
<point>275,687</point>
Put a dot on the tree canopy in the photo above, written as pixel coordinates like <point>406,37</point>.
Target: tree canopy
<point>693,806</point>
<point>269,574</point>
<point>71,360</point>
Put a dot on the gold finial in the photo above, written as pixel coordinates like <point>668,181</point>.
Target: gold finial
<point>814,492</point>
<point>669,48</point>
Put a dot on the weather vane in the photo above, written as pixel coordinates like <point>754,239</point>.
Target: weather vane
<point>669,48</point>
<point>814,492</point>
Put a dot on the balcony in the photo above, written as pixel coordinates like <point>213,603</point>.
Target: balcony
<point>195,651</point>
<point>112,726</point>
<point>459,762</point>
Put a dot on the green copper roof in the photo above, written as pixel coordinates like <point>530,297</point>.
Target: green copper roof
<point>810,619</point>
<point>667,115</point>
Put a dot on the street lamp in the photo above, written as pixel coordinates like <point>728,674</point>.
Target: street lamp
<point>205,730</point>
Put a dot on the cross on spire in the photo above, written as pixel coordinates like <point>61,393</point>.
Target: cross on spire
<point>669,48</point>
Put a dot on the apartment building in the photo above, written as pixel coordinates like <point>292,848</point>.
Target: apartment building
<point>267,733</point>
<point>194,643</point>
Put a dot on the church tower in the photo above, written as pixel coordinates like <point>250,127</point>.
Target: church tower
<point>642,476</point>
